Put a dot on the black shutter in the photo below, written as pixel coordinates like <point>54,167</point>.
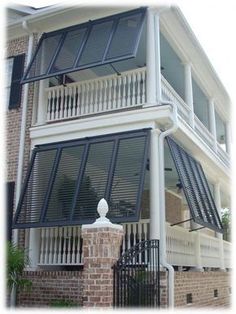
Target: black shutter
<point>196,189</point>
<point>17,73</point>
<point>9,208</point>
<point>66,180</point>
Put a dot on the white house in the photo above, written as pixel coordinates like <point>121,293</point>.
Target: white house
<point>120,103</point>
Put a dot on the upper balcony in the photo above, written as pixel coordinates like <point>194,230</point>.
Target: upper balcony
<point>101,87</point>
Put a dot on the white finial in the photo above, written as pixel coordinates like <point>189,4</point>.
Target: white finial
<point>102,209</point>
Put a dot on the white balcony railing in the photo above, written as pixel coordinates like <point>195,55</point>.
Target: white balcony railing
<point>117,92</point>
<point>63,245</point>
<point>99,95</point>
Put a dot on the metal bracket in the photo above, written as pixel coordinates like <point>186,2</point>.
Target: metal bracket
<point>196,229</point>
<point>178,223</point>
<point>112,66</point>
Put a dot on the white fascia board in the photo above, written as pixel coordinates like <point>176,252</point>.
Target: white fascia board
<point>155,116</point>
<point>213,166</point>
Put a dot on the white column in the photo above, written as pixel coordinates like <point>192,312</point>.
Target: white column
<point>198,266</point>
<point>42,103</point>
<point>212,119</point>
<point>228,138</point>
<point>189,91</point>
<point>154,187</point>
<point>34,247</point>
<point>157,57</point>
<point>219,235</point>
<point>151,59</point>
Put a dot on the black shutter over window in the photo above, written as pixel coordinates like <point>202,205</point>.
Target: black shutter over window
<point>9,208</point>
<point>98,42</point>
<point>66,180</point>
<point>196,189</point>
<point>16,87</point>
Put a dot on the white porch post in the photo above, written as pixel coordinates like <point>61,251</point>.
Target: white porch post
<point>42,103</point>
<point>154,187</point>
<point>219,235</point>
<point>34,247</point>
<point>151,59</point>
<point>212,119</point>
<point>189,91</point>
<point>157,57</point>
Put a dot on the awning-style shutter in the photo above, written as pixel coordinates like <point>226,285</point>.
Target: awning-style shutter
<point>86,45</point>
<point>196,189</point>
<point>66,180</point>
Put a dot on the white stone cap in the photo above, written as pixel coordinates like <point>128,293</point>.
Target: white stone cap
<point>102,221</point>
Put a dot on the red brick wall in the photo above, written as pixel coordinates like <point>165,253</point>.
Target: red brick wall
<point>48,286</point>
<point>13,123</point>
<point>202,286</point>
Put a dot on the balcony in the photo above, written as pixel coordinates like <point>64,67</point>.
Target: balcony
<point>114,93</point>
<point>62,246</point>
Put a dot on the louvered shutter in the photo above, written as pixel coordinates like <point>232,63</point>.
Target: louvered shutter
<point>16,88</point>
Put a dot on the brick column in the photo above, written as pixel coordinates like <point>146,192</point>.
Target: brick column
<point>101,249</point>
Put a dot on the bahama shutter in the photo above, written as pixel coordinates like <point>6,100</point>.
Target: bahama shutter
<point>16,87</point>
<point>98,42</point>
<point>66,180</point>
<point>196,189</point>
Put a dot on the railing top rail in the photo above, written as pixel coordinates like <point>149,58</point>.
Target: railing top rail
<point>103,78</point>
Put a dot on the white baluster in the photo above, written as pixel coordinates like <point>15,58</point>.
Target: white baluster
<point>70,102</point>
<point>59,257</point>
<point>51,236</point>
<point>128,90</point>
<point>143,78</point>
<point>62,102</point>
<point>68,260</point>
<point>105,105</point>
<point>65,103</point>
<point>78,245</point>
<point>73,245</point>
<point>124,82</point>
<point>82,105</point>
<point>46,247</point>
<point>118,92</point>
<point>64,245</point>
<point>42,249</point>
<point>124,237</point>
<point>73,101</point>
<point>128,236</point>
<point>49,106</point>
<point>133,82</point>
<point>96,97</point>
<point>109,103</point>
<point>138,88</point>
<point>114,94</point>
<point>55,250</point>
<point>79,101</point>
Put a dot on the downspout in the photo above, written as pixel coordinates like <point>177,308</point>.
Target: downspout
<point>20,165</point>
<point>161,138</point>
<point>163,256</point>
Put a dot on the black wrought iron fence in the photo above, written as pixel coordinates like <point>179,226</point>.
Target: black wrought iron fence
<point>137,276</point>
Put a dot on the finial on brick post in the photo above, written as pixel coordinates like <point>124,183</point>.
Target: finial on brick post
<point>102,209</point>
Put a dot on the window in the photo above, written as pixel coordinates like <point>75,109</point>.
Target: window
<point>14,72</point>
<point>215,293</point>
<point>189,298</point>
<point>196,189</point>
<point>66,180</point>
<point>86,45</point>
